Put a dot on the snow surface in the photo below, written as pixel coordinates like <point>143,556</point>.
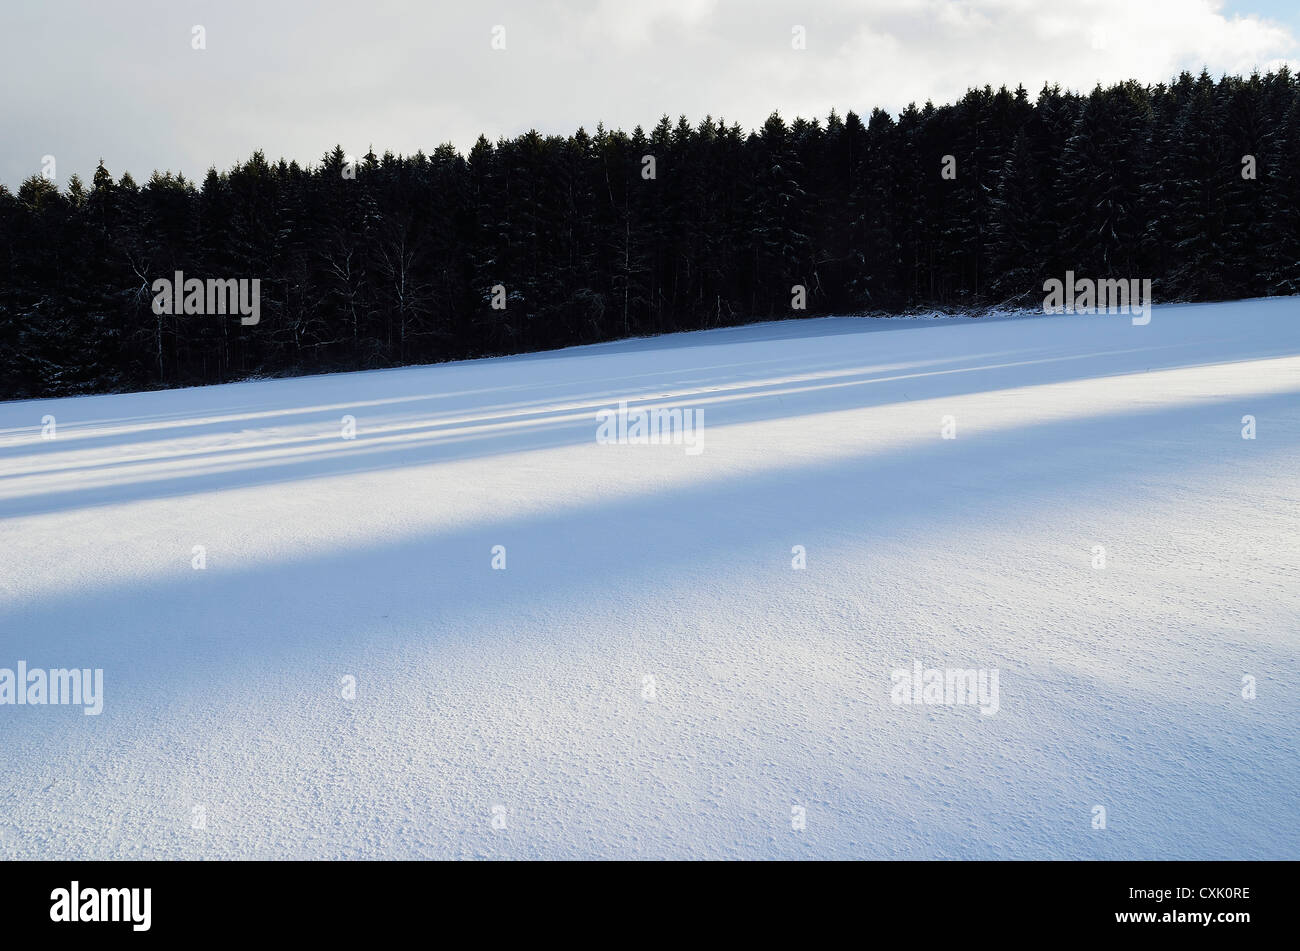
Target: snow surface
<point>521,690</point>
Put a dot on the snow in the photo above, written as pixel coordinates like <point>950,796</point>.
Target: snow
<point>520,695</point>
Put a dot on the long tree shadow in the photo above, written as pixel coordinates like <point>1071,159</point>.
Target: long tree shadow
<point>565,417</point>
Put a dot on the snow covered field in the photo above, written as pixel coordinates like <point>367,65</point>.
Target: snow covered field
<point>649,676</point>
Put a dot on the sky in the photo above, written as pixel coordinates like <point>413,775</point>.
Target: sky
<point>124,81</point>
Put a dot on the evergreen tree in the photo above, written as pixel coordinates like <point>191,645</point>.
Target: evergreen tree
<point>394,259</point>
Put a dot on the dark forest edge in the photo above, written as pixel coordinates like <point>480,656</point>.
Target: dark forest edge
<point>387,260</point>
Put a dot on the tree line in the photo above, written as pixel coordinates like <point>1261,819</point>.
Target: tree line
<point>544,241</point>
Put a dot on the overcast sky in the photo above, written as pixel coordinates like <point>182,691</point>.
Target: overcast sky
<point>89,78</point>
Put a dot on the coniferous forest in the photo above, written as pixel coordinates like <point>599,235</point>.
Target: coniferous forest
<point>386,260</point>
